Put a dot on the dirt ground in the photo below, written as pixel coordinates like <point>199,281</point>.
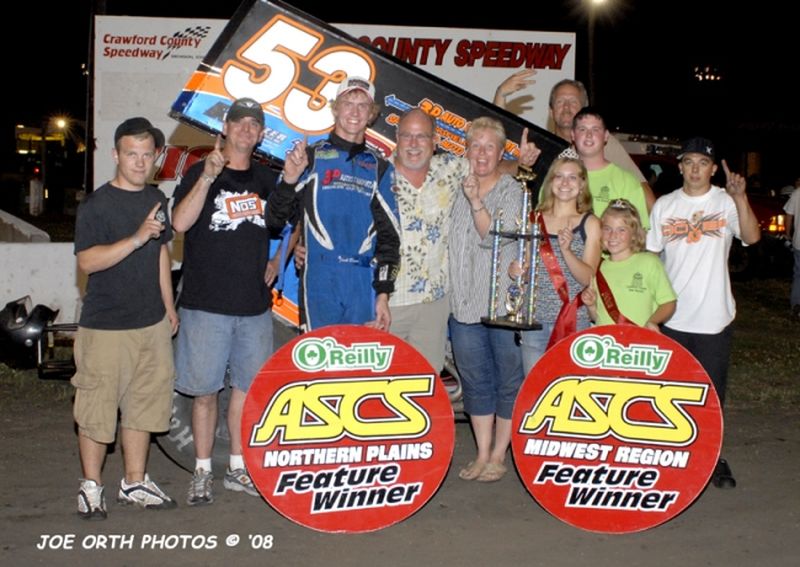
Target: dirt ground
<point>465,523</point>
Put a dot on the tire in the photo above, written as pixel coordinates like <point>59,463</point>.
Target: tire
<point>178,443</point>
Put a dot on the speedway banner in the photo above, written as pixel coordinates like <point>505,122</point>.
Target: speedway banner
<point>139,65</point>
<point>347,429</point>
<point>292,64</point>
<point>619,431</point>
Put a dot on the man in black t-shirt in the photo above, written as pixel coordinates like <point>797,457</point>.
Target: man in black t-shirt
<point>225,303</point>
<point>123,349</point>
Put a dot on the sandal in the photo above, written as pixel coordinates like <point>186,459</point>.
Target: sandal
<point>492,472</point>
<point>472,471</point>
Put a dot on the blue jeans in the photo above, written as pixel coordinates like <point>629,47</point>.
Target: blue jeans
<point>208,343</point>
<point>490,365</point>
<point>534,345</point>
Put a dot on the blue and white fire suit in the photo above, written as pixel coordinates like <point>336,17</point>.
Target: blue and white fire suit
<point>350,230</point>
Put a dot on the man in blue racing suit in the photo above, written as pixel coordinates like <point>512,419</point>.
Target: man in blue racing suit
<point>343,190</point>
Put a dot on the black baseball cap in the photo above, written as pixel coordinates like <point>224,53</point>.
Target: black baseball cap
<point>138,125</point>
<point>702,146</point>
<point>243,107</point>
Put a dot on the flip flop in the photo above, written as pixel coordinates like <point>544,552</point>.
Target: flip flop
<point>492,472</point>
<point>472,471</point>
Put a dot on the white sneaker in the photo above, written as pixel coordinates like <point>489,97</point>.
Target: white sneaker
<point>239,481</point>
<point>91,501</point>
<point>145,494</point>
<point>200,488</point>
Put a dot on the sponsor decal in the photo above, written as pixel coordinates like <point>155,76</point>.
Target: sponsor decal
<point>347,429</point>
<point>616,429</point>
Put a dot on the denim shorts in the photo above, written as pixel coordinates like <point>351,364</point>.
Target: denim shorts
<point>210,343</point>
<point>534,345</point>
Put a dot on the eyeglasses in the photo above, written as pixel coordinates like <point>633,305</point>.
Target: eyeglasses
<point>419,137</point>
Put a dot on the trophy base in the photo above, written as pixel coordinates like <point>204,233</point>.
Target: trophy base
<point>511,323</point>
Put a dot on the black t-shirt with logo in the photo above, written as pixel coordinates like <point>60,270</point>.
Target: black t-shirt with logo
<point>226,250</point>
<point>126,295</point>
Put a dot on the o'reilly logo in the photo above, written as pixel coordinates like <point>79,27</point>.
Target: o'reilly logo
<point>603,351</point>
<point>315,354</point>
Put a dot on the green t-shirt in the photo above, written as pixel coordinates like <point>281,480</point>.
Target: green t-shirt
<point>613,182</point>
<point>639,284</point>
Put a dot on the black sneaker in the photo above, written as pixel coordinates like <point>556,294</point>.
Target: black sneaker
<point>723,477</point>
<point>91,501</point>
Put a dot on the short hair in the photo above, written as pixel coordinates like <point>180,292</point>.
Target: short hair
<point>488,123</point>
<point>139,136</point>
<point>417,110</point>
<point>625,210</point>
<point>584,202</point>
<point>577,84</point>
<point>588,111</point>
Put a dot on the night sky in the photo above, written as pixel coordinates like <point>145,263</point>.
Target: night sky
<point>644,55</point>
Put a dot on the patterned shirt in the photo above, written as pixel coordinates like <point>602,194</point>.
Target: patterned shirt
<point>425,228</point>
<point>471,257</point>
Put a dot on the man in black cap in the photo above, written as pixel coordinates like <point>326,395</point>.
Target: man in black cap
<point>123,348</point>
<point>694,227</point>
<point>226,321</point>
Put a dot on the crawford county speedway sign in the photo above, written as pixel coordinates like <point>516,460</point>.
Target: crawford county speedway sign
<point>347,429</point>
<point>616,429</point>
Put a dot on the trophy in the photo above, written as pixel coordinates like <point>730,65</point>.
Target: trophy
<point>519,297</point>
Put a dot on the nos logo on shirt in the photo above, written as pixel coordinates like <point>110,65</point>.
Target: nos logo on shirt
<point>240,206</point>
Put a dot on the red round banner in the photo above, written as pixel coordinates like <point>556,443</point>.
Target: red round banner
<point>616,429</point>
<point>347,429</point>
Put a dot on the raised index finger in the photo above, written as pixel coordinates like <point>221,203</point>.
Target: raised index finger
<point>153,211</point>
<point>725,169</point>
<point>218,143</point>
<point>524,139</point>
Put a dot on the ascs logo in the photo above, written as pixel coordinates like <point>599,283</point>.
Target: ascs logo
<point>619,431</point>
<point>348,429</point>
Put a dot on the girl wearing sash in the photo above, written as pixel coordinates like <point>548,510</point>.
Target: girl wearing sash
<point>569,253</point>
<point>631,286</point>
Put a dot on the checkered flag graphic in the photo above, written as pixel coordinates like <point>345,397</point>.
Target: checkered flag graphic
<point>195,32</point>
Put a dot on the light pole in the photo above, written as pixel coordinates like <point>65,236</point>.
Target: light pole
<point>48,122</point>
<point>592,12</point>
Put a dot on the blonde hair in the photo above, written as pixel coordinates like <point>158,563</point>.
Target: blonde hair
<point>625,210</point>
<point>584,201</point>
<point>488,123</point>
